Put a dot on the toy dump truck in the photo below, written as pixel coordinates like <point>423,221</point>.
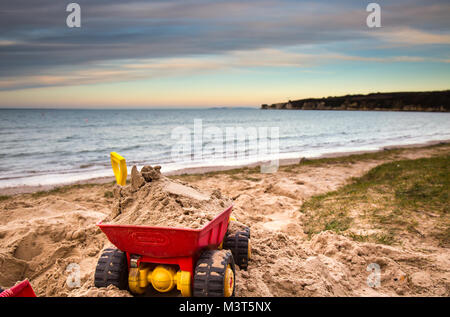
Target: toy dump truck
<point>198,262</point>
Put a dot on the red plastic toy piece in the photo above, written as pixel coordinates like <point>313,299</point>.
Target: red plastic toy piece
<point>23,289</point>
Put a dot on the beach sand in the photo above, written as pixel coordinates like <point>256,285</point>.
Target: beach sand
<point>43,233</point>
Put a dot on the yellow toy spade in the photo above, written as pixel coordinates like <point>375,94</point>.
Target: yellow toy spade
<point>119,167</point>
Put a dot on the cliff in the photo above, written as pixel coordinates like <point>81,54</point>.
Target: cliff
<point>435,101</point>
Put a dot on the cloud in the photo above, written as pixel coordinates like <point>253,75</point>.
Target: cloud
<point>8,43</point>
<point>145,39</point>
<point>409,36</point>
<point>138,69</point>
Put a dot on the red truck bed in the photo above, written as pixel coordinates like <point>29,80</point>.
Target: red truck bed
<point>163,242</point>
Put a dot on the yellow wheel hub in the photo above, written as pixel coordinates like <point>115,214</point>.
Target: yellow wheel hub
<point>183,279</point>
<point>229,282</point>
<point>135,280</point>
<point>163,278</point>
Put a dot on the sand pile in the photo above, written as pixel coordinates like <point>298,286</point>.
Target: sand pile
<point>334,265</point>
<point>154,200</point>
<point>47,248</point>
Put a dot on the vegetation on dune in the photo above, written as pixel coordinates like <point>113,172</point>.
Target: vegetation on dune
<point>387,153</point>
<point>61,190</point>
<point>108,194</point>
<point>235,173</point>
<point>391,200</point>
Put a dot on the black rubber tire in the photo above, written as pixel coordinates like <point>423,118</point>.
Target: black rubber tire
<point>112,269</point>
<point>209,280</point>
<point>238,243</point>
<point>235,229</point>
<point>246,232</point>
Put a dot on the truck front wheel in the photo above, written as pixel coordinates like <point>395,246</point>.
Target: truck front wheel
<point>214,274</point>
<point>112,269</point>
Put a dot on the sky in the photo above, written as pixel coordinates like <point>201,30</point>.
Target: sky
<point>204,53</point>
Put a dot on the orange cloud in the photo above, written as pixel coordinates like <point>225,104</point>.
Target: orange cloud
<point>409,36</point>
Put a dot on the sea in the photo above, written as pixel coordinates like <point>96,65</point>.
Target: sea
<point>49,146</point>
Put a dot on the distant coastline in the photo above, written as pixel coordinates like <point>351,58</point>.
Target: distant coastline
<point>431,101</point>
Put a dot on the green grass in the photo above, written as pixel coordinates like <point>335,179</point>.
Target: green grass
<point>4,197</point>
<point>61,190</point>
<point>387,238</point>
<point>393,198</point>
<point>236,174</point>
<point>338,225</point>
<point>243,173</point>
<point>353,158</point>
<point>108,194</point>
<point>253,179</point>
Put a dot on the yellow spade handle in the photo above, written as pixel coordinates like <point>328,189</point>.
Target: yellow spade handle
<point>119,167</point>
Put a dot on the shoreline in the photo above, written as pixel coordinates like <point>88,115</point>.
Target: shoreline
<point>29,189</point>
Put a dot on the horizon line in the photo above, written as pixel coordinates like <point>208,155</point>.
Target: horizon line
<point>134,108</point>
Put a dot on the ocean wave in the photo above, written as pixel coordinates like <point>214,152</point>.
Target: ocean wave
<point>60,149</point>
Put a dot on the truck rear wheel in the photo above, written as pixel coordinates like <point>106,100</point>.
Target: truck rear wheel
<point>214,274</point>
<point>112,269</point>
<point>235,226</point>
<point>238,242</point>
